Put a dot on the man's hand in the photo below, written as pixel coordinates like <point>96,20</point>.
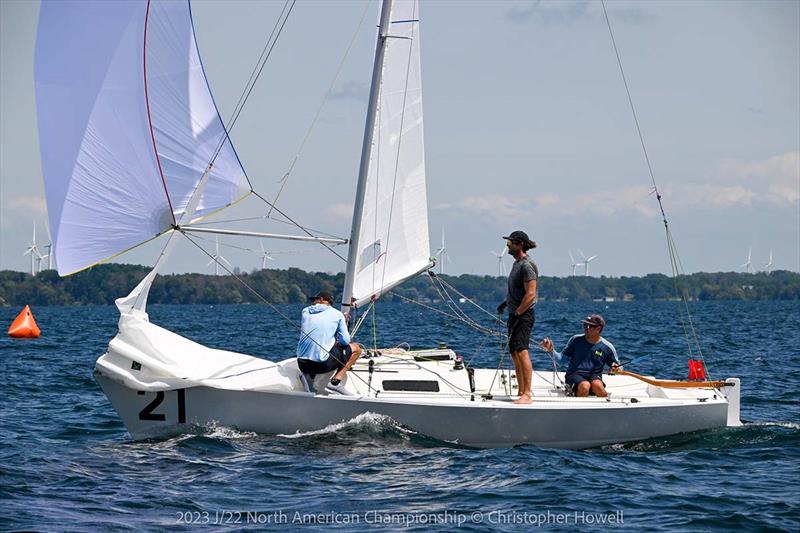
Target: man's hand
<point>546,344</point>
<point>615,367</point>
<point>501,308</point>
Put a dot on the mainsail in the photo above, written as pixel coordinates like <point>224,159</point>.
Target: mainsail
<point>390,240</point>
<point>127,126</point>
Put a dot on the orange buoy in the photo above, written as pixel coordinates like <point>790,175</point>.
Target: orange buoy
<point>24,326</point>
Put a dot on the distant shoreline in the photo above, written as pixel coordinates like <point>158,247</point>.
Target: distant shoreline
<point>102,284</point>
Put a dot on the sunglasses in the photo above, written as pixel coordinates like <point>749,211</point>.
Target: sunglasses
<point>589,326</point>
<point>510,242</point>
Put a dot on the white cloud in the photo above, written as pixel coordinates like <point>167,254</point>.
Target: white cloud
<point>340,210</point>
<point>775,180</point>
<point>722,196</point>
<point>547,200</point>
<point>492,204</point>
<point>32,206</point>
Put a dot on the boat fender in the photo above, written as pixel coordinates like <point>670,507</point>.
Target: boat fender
<point>24,326</point>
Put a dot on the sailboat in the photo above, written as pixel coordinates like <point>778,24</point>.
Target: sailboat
<point>133,148</point>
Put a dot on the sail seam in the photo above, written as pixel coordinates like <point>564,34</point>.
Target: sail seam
<point>150,119</point>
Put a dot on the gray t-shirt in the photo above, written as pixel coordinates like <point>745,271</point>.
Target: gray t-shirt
<point>522,272</point>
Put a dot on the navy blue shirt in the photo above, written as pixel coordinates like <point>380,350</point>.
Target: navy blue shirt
<point>588,358</point>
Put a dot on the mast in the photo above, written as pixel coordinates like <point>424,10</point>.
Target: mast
<point>366,153</point>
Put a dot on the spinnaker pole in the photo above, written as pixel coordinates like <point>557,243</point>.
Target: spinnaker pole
<point>366,154</point>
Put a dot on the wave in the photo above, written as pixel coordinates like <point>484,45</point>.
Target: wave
<point>748,435</point>
<point>787,425</point>
<point>368,422</point>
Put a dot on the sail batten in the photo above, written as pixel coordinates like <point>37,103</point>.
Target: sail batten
<point>127,125</point>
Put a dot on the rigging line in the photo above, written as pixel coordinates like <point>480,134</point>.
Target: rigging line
<point>250,80</point>
<point>264,300</point>
<point>240,280</point>
<point>360,320</point>
<point>245,95</point>
<point>675,262</point>
<point>248,90</point>
<point>325,98</point>
<point>480,328</point>
<point>265,55</point>
<point>494,317</point>
<point>334,252</point>
<point>480,347</point>
<point>452,304</point>
<point>443,294</point>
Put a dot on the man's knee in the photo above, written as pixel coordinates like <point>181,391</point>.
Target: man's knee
<point>583,389</point>
<point>598,388</point>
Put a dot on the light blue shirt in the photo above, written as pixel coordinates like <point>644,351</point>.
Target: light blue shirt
<point>320,327</point>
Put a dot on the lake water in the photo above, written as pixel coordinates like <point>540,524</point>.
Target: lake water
<point>67,463</point>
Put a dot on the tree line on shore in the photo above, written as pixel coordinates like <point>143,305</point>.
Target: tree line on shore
<point>102,284</point>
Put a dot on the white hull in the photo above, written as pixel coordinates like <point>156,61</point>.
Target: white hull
<point>551,421</point>
<point>161,384</point>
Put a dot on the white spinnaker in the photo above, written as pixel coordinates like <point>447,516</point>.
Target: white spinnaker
<point>393,243</point>
<point>105,192</point>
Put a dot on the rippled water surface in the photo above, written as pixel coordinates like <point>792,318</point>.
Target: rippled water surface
<point>67,464</point>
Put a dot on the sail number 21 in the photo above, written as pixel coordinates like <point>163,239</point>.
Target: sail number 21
<point>148,414</point>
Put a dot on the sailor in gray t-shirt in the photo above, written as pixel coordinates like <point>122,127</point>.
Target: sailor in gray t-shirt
<point>522,271</point>
<point>520,302</point>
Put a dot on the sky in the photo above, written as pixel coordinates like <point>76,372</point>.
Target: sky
<point>527,126</point>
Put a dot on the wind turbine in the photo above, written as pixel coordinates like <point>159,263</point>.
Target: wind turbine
<point>586,261</point>
<point>49,246</point>
<point>34,252</point>
<point>441,254</point>
<point>501,267</point>
<point>217,258</point>
<point>748,267</point>
<point>264,256</point>
<point>573,265</point>
<point>768,264</point>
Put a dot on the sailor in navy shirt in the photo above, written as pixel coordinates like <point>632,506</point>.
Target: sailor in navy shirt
<point>588,354</point>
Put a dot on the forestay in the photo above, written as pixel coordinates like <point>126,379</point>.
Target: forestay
<point>127,126</point>
<point>393,242</point>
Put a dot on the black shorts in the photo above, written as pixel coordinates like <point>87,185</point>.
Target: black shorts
<point>576,379</point>
<point>339,355</point>
<point>519,330</point>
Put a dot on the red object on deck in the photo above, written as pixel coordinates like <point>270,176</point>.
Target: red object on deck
<point>24,326</point>
<point>696,370</point>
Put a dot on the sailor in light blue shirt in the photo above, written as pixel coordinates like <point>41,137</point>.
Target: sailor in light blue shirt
<point>324,344</point>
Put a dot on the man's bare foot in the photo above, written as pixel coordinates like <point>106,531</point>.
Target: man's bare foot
<point>524,399</point>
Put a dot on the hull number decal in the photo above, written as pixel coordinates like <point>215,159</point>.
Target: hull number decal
<point>148,414</point>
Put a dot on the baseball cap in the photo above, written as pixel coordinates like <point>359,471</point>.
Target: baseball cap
<point>323,295</point>
<point>595,320</point>
<point>521,236</point>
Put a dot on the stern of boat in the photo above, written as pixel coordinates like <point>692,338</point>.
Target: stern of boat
<point>733,393</point>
